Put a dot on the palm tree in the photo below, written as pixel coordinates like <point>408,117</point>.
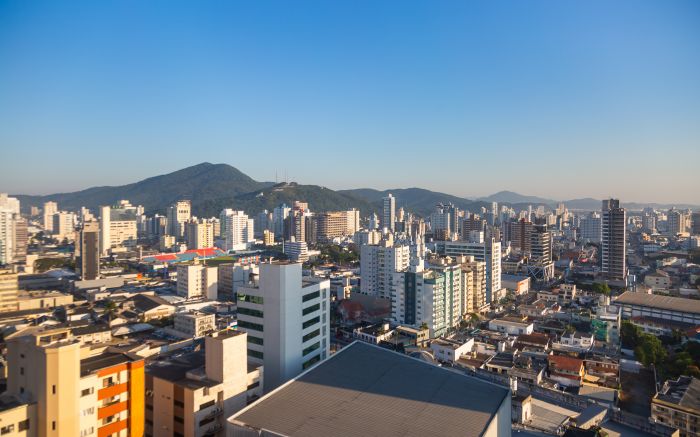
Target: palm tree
<point>110,309</point>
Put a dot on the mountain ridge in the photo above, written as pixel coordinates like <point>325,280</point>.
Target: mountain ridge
<point>212,187</point>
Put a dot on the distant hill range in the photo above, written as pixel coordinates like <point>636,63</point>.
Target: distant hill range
<point>213,187</point>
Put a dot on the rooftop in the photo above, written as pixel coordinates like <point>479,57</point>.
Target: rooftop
<point>363,390</point>
<point>102,361</point>
<point>661,302</point>
<point>683,392</point>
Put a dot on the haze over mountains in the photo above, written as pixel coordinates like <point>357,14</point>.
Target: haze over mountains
<point>212,187</point>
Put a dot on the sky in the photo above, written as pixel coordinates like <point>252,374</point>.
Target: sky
<point>560,99</point>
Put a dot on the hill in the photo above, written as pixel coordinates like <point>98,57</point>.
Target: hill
<point>210,187</point>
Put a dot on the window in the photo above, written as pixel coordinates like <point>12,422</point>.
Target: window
<point>178,404</point>
<point>255,354</point>
<point>87,392</point>
<point>23,425</point>
<point>250,312</point>
<point>206,405</point>
<point>251,299</point>
<point>311,309</point>
<point>178,419</point>
<point>256,384</point>
<point>311,322</point>
<point>7,429</point>
<point>255,340</point>
<point>311,362</point>
<point>311,348</point>
<point>53,389</point>
<point>53,425</point>
<point>206,421</point>
<point>248,325</point>
<point>308,297</point>
<point>311,335</point>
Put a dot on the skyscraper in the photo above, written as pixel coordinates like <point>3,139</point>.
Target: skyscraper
<point>388,212</point>
<point>614,237</point>
<point>89,262</point>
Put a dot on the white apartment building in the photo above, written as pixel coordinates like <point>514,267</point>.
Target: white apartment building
<point>287,318</point>
<point>64,225</point>
<point>486,250</point>
<point>7,236</point>
<point>194,323</point>
<point>378,263</point>
<point>118,227</point>
<point>178,214</point>
<point>50,208</point>
<point>237,230</point>
<point>197,281</point>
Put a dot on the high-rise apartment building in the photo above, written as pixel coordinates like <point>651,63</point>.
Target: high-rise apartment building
<point>118,227</point>
<point>64,225</point>
<point>614,240</point>
<point>196,281</point>
<point>677,222</point>
<point>50,208</point>
<point>378,263</point>
<point>472,223</point>
<point>21,233</point>
<point>89,251</point>
<point>199,234</point>
<point>71,392</point>
<point>591,227</point>
<point>336,224</point>
<point>287,318</point>
<point>487,250</point>
<point>279,215</point>
<point>9,203</point>
<point>238,230</point>
<point>473,284</point>
<point>388,212</point>
<point>7,236</point>
<point>695,223</point>
<point>178,214</point>
<point>428,296</point>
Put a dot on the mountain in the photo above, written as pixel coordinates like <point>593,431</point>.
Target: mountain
<point>513,198</point>
<point>201,183</point>
<point>210,187</point>
<point>417,200</point>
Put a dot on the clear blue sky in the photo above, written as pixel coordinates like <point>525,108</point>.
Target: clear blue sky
<point>561,99</point>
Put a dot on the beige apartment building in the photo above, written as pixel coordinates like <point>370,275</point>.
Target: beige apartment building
<point>193,397</point>
<point>678,405</point>
<point>55,388</point>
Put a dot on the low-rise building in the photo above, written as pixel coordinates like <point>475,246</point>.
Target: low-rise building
<point>449,350</point>
<point>373,334</point>
<point>566,370</point>
<point>677,309</point>
<point>194,323</point>
<point>512,325</point>
<point>575,341</point>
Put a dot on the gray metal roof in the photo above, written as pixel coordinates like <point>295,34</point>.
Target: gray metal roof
<point>661,302</point>
<point>369,391</point>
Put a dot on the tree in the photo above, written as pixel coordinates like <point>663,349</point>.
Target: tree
<point>629,334</point>
<point>650,350</point>
<point>110,309</point>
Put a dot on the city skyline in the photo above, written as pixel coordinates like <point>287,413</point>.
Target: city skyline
<point>552,100</point>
